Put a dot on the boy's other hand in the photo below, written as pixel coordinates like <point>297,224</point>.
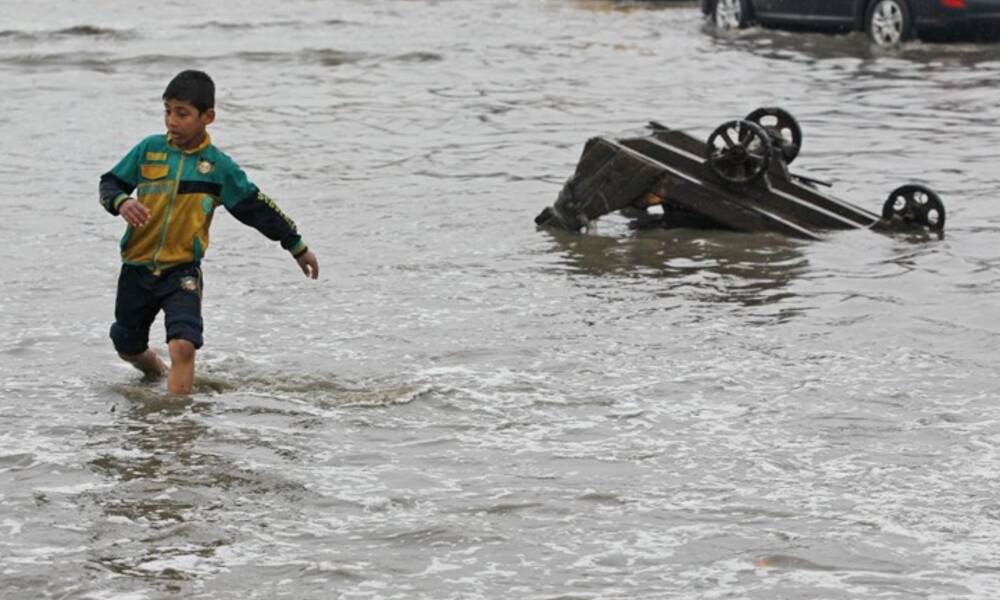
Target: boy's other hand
<point>308,263</point>
<point>134,213</point>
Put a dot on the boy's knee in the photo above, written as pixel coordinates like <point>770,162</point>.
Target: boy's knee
<point>181,351</point>
<point>129,343</point>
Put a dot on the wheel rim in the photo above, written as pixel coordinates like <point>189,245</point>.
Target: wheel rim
<point>887,23</point>
<point>739,152</point>
<point>728,14</point>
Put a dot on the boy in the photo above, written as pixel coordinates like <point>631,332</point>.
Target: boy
<point>180,179</point>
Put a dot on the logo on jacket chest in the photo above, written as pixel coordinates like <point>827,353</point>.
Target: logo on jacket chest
<point>205,166</point>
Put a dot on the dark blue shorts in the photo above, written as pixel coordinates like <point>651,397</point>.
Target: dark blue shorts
<point>141,295</point>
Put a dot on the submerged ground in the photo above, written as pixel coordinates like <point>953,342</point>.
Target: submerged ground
<point>463,406</point>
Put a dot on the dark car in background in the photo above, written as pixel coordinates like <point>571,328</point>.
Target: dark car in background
<point>886,22</point>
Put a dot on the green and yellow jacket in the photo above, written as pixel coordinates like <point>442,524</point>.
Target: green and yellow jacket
<point>181,189</point>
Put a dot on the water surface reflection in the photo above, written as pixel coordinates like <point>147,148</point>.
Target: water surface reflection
<point>748,269</point>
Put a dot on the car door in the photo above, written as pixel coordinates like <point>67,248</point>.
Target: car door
<point>835,11</point>
<point>785,10</point>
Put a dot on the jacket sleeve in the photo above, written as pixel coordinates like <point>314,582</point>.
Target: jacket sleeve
<point>254,208</point>
<point>118,183</point>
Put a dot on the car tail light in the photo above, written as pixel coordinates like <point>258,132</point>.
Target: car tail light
<point>953,3</point>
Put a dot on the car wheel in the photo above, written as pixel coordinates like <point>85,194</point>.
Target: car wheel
<point>785,132</point>
<point>888,22</point>
<point>917,204</point>
<point>739,152</point>
<point>730,14</point>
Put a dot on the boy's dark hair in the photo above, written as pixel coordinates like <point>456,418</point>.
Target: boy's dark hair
<point>192,86</point>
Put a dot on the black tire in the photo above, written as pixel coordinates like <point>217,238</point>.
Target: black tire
<point>914,204</point>
<point>730,14</point>
<point>738,152</point>
<point>786,134</point>
<point>888,23</point>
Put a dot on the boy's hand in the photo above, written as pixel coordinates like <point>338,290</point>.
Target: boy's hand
<point>134,213</point>
<point>308,263</point>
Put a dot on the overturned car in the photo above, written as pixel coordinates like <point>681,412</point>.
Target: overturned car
<point>737,180</point>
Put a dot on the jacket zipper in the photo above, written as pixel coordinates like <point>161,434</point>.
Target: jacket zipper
<point>166,219</point>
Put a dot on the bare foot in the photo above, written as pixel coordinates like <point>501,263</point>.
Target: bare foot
<point>148,362</point>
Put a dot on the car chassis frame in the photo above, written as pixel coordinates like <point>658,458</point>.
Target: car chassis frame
<point>737,180</point>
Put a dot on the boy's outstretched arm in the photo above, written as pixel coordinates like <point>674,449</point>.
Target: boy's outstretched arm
<point>260,212</point>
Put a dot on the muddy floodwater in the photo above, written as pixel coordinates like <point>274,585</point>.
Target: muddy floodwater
<point>462,406</point>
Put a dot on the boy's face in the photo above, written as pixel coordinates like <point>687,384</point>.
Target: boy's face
<point>185,123</point>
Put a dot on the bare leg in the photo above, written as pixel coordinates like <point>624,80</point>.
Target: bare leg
<point>147,362</point>
<point>181,376</point>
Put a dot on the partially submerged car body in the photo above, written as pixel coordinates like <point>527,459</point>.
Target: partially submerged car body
<point>887,22</point>
<point>739,180</point>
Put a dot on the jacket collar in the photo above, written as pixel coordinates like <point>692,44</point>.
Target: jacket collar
<point>205,143</point>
